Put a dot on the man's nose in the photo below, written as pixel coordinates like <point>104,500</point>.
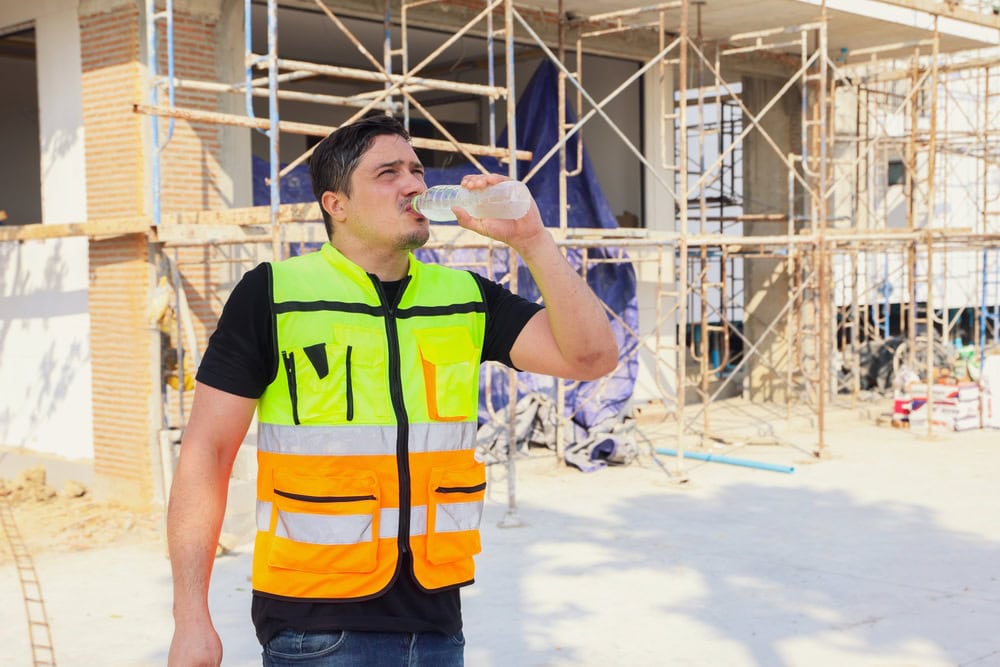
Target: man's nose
<point>415,183</point>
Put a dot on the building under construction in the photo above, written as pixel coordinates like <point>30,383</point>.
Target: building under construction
<point>793,201</point>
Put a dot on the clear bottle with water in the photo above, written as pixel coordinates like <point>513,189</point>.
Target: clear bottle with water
<point>508,200</point>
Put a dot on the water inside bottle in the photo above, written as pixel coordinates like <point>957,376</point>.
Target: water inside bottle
<point>506,200</point>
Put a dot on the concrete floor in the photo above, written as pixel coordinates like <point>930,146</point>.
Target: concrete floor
<point>885,553</point>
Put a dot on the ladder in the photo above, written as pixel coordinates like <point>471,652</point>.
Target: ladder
<point>39,634</point>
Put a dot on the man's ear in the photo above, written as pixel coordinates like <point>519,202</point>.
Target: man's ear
<point>333,203</point>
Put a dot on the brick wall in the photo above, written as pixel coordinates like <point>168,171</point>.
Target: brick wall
<point>112,82</point>
<point>121,347</point>
<point>192,179</point>
<point>127,386</point>
<point>190,166</point>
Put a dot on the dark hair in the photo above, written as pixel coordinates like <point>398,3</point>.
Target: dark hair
<point>334,159</point>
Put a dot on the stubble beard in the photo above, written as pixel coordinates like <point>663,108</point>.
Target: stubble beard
<point>413,240</point>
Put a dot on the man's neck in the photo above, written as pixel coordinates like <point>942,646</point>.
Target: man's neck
<point>386,265</point>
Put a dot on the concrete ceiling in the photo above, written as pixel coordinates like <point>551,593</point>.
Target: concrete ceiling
<point>853,24</point>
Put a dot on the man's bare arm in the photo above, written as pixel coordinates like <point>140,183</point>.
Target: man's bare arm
<point>572,337</point>
<point>213,435</point>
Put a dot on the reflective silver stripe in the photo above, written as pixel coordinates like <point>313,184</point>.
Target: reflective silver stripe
<point>388,525</point>
<point>263,515</point>
<point>324,528</point>
<point>442,436</point>
<point>363,440</point>
<point>418,520</point>
<point>452,517</point>
<point>327,440</point>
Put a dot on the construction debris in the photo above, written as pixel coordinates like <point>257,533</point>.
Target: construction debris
<point>612,441</point>
<point>69,519</point>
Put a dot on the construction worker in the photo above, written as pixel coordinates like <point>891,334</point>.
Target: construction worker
<point>363,366</point>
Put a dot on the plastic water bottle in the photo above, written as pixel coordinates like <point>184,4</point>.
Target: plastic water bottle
<point>508,200</point>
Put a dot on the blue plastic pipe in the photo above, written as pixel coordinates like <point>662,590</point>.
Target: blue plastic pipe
<point>727,459</point>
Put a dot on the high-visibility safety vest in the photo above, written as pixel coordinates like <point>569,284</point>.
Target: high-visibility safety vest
<point>367,433</point>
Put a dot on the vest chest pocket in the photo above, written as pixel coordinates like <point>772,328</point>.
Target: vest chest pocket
<point>340,381</point>
<point>325,523</point>
<point>455,508</point>
<point>450,365</point>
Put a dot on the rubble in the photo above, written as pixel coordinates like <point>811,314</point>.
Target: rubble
<point>69,519</point>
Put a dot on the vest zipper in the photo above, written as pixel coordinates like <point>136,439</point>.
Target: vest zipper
<point>399,407</point>
<point>350,385</point>
<point>293,394</point>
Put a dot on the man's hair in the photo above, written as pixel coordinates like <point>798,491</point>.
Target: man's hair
<point>334,159</point>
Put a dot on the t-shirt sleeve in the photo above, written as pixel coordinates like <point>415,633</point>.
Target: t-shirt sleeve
<point>240,357</point>
<point>506,315</point>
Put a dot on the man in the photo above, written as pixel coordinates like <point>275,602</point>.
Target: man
<point>363,366</point>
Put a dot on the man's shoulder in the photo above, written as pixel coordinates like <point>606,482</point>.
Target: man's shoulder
<point>448,272</point>
<point>297,260</point>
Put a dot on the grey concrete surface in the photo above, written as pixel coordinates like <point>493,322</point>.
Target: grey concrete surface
<point>885,553</point>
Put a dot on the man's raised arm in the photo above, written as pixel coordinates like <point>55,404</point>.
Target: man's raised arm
<point>572,337</point>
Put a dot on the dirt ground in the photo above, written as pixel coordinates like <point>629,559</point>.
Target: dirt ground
<point>68,519</point>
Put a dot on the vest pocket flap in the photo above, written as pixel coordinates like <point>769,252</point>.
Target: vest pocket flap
<point>450,366</point>
<point>333,493</point>
<point>455,508</point>
<point>317,357</point>
<point>340,380</point>
<point>445,346</point>
<point>459,484</point>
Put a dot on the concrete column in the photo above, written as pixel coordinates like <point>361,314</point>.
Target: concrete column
<point>60,115</point>
<point>657,375</point>
<point>765,179</point>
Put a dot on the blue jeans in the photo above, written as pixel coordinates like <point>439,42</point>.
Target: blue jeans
<point>364,649</point>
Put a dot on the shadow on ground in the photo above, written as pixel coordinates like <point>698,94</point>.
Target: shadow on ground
<point>755,575</point>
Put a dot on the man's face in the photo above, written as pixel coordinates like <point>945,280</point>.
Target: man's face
<point>378,211</point>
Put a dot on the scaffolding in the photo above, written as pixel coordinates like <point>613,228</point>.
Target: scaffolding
<point>853,278</point>
<point>880,234</point>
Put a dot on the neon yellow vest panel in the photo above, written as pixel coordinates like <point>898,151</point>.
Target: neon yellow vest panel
<point>367,433</point>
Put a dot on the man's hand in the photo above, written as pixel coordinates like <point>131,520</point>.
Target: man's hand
<point>195,645</point>
<point>572,337</point>
<point>519,234</point>
<point>218,422</point>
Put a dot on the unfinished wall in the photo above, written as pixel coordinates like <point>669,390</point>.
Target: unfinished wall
<point>765,179</point>
<point>655,269</point>
<point>44,349</point>
<point>44,321</point>
<point>63,160</point>
<point>121,343</point>
<point>128,414</point>
<point>204,166</point>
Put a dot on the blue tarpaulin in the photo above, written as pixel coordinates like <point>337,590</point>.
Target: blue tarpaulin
<point>592,405</point>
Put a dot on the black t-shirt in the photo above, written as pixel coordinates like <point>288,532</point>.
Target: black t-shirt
<point>242,359</point>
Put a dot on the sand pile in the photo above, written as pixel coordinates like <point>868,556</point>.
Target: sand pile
<point>68,519</point>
